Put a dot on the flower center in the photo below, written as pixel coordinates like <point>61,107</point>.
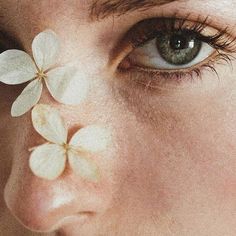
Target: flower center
<point>66,146</point>
<point>41,75</point>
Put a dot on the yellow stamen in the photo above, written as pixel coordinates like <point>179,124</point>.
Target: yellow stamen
<point>66,146</point>
<point>41,75</point>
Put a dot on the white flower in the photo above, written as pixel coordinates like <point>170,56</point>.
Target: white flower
<point>49,160</point>
<point>65,83</point>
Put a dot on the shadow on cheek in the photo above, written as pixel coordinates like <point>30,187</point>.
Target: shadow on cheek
<point>5,169</point>
<point>8,94</point>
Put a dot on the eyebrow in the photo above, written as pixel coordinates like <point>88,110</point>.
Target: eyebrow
<point>101,9</point>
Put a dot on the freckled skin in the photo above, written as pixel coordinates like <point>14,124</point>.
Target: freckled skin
<point>171,167</point>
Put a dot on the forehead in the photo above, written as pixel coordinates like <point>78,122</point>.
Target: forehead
<point>107,7</point>
<point>44,7</point>
<point>21,17</point>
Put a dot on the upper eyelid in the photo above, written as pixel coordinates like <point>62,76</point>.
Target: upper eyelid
<point>200,19</point>
<point>165,23</point>
<point>125,44</point>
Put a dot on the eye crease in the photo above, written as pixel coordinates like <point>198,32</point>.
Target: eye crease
<point>175,49</point>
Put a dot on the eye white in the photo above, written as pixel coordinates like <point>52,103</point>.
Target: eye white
<point>148,56</point>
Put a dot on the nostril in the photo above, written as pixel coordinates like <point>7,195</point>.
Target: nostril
<point>87,213</point>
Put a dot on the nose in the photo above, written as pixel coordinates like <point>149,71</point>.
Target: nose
<point>43,205</point>
<point>47,206</point>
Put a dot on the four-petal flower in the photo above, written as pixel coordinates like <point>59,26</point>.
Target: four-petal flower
<point>65,83</point>
<point>49,160</point>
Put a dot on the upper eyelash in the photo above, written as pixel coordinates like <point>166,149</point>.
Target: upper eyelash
<point>222,41</point>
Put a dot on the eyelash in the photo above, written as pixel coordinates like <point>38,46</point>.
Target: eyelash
<point>146,31</point>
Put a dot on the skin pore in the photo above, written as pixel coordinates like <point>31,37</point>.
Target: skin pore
<point>171,167</point>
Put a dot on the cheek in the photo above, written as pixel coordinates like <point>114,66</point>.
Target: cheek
<point>200,155</point>
<point>186,148</point>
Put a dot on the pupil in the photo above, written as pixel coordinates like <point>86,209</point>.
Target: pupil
<point>178,42</point>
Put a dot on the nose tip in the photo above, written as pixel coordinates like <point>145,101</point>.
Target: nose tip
<point>39,205</point>
<point>46,206</point>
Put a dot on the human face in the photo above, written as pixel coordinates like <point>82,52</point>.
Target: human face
<point>171,167</point>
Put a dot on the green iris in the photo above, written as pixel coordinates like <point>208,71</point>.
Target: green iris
<point>178,48</point>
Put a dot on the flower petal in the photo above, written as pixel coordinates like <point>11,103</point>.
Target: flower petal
<point>84,167</point>
<point>16,67</point>
<point>67,85</point>
<point>48,161</point>
<point>27,99</point>
<point>92,138</point>
<point>48,122</point>
<point>45,48</point>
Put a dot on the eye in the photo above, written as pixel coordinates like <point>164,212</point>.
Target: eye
<point>174,49</point>
<point>171,51</point>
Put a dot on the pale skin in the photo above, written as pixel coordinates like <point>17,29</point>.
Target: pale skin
<point>171,167</point>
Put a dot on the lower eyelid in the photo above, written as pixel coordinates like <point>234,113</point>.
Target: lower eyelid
<point>152,81</point>
<point>172,79</point>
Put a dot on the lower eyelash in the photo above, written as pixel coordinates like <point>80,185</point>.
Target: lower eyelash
<point>153,79</point>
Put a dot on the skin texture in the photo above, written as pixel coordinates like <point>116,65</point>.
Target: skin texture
<point>171,167</point>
